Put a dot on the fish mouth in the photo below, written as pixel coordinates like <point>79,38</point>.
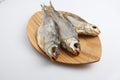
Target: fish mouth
<point>75,46</point>
<point>97,32</point>
<point>53,52</point>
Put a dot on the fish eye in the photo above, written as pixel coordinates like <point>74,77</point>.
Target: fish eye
<point>94,27</point>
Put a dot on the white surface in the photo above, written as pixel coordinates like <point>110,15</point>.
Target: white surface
<point>20,61</point>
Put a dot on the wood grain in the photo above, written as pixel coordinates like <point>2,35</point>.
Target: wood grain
<point>90,46</point>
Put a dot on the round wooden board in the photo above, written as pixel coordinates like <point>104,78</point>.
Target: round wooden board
<point>90,46</point>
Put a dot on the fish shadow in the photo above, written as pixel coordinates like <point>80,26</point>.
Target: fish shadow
<point>86,36</point>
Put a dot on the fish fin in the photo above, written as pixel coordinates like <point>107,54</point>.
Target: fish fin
<point>64,15</point>
<point>43,9</point>
<point>77,17</point>
<point>41,6</point>
<point>48,9</point>
<point>51,5</point>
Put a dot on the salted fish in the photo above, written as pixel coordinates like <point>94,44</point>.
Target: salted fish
<point>48,36</point>
<point>68,35</point>
<point>82,27</point>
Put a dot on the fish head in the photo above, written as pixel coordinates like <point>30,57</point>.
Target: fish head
<point>92,29</point>
<point>73,46</point>
<point>53,51</point>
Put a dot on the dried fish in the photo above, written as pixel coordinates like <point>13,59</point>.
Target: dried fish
<point>83,27</point>
<point>48,36</point>
<point>68,35</point>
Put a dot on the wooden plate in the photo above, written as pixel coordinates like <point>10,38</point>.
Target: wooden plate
<point>90,46</point>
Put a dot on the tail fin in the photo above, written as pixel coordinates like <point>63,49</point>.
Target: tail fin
<point>42,7</point>
<point>51,5</point>
<point>44,12</point>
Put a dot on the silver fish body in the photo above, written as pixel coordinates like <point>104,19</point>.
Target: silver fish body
<point>83,27</point>
<point>48,36</point>
<point>68,35</point>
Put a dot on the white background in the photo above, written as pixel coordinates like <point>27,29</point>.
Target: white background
<point>20,61</point>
